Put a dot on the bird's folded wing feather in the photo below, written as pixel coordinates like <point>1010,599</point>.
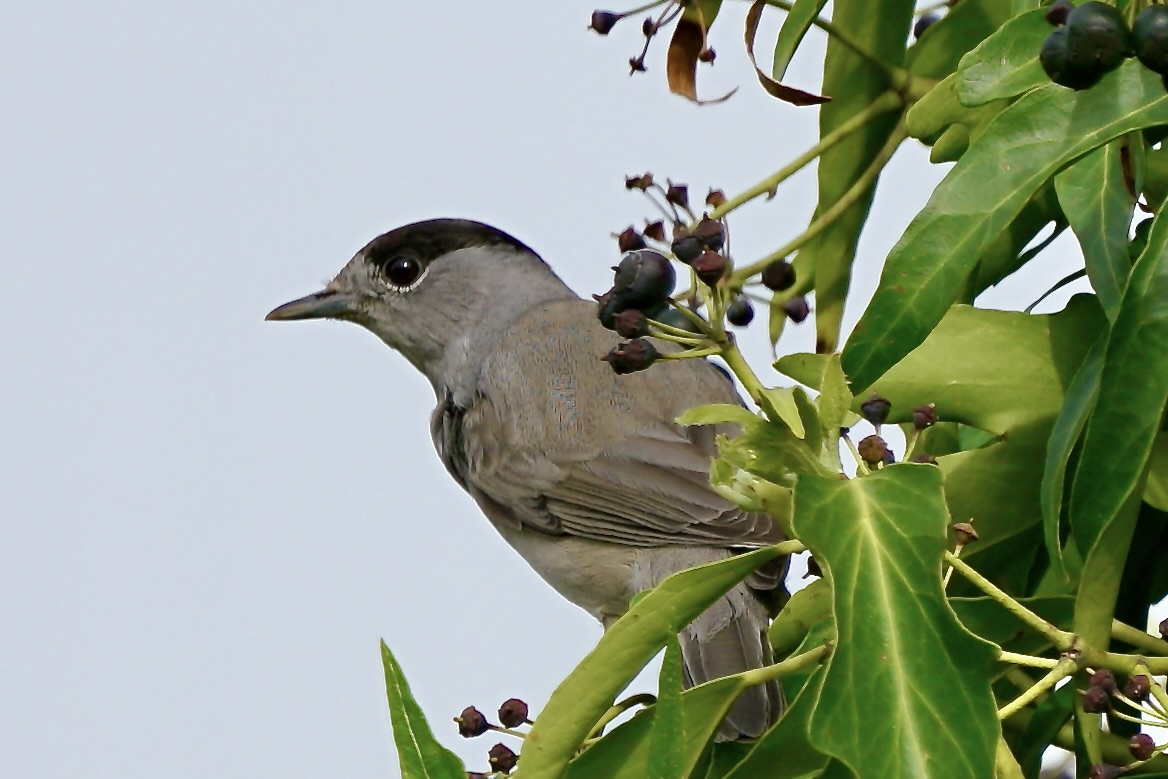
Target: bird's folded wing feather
<point>640,490</point>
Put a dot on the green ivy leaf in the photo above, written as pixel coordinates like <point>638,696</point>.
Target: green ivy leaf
<point>882,29</point>
<point>974,366</point>
<point>666,761</point>
<point>1027,143</point>
<point>965,25</point>
<point>807,608</point>
<point>1068,426</point>
<point>1156,490</point>
<point>419,753</point>
<point>626,752</point>
<point>786,750</point>
<point>1099,207</point>
<point>580,700</point>
<point>906,691</point>
<point>1133,389</point>
<point>1006,63</point>
<point>795,26</point>
<point>718,413</point>
<point>987,618</point>
<point>779,403</point>
<point>1013,247</point>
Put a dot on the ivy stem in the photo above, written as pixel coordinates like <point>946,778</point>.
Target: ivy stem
<point>825,220</point>
<point>1062,669</point>
<point>619,708</point>
<point>1128,717</point>
<point>1061,639</point>
<point>1027,660</point>
<point>883,104</point>
<point>676,334</point>
<point>508,731</point>
<point>1158,692</point>
<point>709,351</point>
<point>911,446</point>
<point>956,551</point>
<point>897,75</point>
<point>861,466</point>
<point>741,368</point>
<point>786,667</point>
<point>1138,638</point>
<point>642,8</point>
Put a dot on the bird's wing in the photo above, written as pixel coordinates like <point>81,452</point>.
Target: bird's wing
<point>568,447</point>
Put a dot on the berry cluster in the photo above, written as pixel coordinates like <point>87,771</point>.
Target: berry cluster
<point>873,450</point>
<point>1092,39</point>
<point>602,23</point>
<point>472,722</point>
<point>639,304</point>
<point>1104,696</point>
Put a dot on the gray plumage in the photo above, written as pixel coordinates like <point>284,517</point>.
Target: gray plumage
<point>583,472</point>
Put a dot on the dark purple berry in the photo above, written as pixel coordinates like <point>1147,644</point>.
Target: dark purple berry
<point>501,758</point>
<point>471,723</point>
<point>707,55</point>
<point>1057,12</point>
<point>648,27</point>
<point>603,21</point>
<point>607,306</point>
<point>631,323</point>
<point>631,356</point>
<point>1098,39</point>
<point>924,416</point>
<point>1105,679</point>
<point>875,409</point>
<point>643,279</point>
<point>629,240</point>
<point>1150,38</point>
<point>778,276</point>
<point>1096,700</point>
<point>965,533</point>
<point>677,194</point>
<point>710,267</point>
<point>1138,688</point>
<point>797,309</point>
<point>512,713</point>
<point>710,234</point>
<point>872,449</point>
<point>740,312</point>
<point>642,182</point>
<point>686,247</point>
<point>1142,746</point>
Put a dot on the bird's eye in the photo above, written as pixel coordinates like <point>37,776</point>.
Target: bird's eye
<point>402,271</point>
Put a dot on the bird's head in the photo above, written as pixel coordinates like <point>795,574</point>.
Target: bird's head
<point>429,288</point>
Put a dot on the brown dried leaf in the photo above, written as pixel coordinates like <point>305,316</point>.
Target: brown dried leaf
<point>681,65</point>
<point>772,87</point>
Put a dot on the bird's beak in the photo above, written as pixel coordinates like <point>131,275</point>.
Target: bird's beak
<point>326,304</point>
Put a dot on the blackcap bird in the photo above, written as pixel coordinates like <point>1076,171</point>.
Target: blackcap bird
<point>584,472</point>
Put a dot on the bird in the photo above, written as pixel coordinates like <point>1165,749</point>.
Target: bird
<point>585,473</point>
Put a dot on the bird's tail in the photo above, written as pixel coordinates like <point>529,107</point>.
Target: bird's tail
<point>728,638</point>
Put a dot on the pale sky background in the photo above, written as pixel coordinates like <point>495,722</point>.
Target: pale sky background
<point>208,521</point>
